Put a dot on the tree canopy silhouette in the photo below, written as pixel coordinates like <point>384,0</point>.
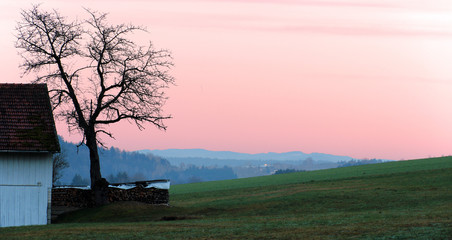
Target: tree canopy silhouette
<point>96,75</point>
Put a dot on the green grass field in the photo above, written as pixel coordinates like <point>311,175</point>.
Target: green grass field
<point>396,200</point>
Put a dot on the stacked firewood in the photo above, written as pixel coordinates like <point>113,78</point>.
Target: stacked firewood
<point>82,198</point>
<point>140,194</point>
<point>71,197</point>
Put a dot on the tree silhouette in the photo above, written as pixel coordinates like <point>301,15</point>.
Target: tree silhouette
<point>96,75</point>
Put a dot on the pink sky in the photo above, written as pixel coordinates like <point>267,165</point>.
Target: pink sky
<point>353,77</point>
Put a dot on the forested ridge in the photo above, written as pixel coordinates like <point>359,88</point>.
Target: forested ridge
<point>123,166</point>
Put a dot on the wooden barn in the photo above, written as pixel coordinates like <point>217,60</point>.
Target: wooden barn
<point>28,140</point>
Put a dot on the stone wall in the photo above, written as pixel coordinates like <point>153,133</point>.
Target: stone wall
<point>81,198</point>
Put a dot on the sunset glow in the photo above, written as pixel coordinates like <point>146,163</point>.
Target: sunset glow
<point>366,79</point>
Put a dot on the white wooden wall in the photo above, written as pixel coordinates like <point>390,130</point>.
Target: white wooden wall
<point>25,188</point>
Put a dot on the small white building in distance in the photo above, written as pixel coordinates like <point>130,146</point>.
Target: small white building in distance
<point>28,140</point>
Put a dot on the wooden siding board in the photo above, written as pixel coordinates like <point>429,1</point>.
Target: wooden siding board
<point>2,207</point>
<point>2,166</point>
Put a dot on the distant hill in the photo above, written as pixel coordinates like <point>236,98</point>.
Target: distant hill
<point>190,165</point>
<point>228,155</point>
<point>251,165</point>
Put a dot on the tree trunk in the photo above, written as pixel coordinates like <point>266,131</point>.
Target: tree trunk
<point>98,184</point>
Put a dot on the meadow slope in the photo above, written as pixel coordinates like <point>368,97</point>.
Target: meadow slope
<point>401,200</point>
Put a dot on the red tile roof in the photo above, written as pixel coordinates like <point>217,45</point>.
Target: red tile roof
<point>26,119</point>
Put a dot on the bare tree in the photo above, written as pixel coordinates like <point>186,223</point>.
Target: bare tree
<point>96,75</point>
